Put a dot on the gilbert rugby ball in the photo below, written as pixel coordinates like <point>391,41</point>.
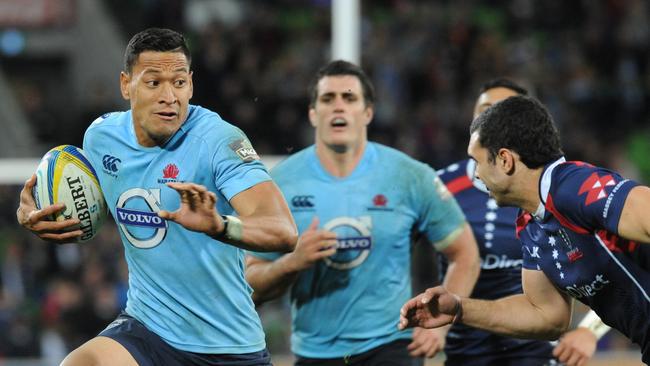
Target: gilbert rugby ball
<point>66,175</point>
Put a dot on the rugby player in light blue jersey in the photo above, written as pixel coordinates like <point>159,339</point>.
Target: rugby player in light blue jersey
<point>169,171</point>
<point>356,204</point>
<point>577,225</point>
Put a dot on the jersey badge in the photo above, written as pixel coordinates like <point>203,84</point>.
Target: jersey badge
<point>595,187</point>
<point>379,203</point>
<point>111,165</point>
<point>170,174</point>
<point>303,203</point>
<point>244,150</point>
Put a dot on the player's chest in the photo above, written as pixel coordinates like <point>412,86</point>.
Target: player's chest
<point>576,263</point>
<point>366,209</point>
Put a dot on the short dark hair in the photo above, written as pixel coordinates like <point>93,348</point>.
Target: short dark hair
<point>503,83</point>
<point>342,68</point>
<point>154,39</point>
<point>522,124</point>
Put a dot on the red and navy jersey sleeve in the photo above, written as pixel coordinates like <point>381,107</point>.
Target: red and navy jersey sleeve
<point>586,198</point>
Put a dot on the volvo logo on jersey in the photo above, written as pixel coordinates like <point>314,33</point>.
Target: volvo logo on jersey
<point>354,241</point>
<point>137,217</point>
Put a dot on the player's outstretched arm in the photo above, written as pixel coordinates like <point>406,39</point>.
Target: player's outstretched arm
<point>576,347</point>
<point>270,279</point>
<point>264,222</point>
<point>634,223</point>
<point>36,220</point>
<point>464,263</point>
<point>542,312</point>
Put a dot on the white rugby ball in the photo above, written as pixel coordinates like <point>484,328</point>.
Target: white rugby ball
<point>66,175</point>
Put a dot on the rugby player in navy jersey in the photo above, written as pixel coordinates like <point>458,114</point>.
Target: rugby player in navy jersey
<point>576,225</point>
<point>501,259</point>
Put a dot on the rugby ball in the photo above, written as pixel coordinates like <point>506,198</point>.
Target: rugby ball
<point>66,175</point>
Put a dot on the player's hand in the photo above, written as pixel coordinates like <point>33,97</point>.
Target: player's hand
<point>433,308</point>
<point>427,342</point>
<point>576,347</point>
<point>38,221</point>
<point>197,211</point>
<point>313,245</point>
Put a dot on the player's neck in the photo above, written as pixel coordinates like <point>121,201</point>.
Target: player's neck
<point>340,161</point>
<point>529,197</point>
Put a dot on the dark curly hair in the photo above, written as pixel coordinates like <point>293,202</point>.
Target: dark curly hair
<point>521,124</point>
<point>154,39</point>
<point>342,68</point>
<point>503,83</point>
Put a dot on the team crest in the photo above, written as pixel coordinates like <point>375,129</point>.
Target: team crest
<point>170,174</point>
<point>380,203</point>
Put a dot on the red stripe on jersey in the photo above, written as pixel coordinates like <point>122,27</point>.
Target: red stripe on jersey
<point>522,220</point>
<point>615,243</point>
<point>459,184</point>
<point>563,220</point>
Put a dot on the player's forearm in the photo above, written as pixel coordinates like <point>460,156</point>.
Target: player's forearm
<point>260,233</point>
<point>464,264</point>
<point>513,316</point>
<point>461,276</point>
<point>270,280</point>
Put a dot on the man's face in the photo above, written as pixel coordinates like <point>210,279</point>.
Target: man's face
<point>340,114</point>
<point>159,88</point>
<point>490,97</point>
<point>489,172</point>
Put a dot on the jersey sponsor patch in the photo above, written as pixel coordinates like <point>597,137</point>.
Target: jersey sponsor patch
<point>595,186</point>
<point>244,150</point>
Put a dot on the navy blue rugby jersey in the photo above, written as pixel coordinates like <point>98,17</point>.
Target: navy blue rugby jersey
<point>501,262</point>
<point>573,238</point>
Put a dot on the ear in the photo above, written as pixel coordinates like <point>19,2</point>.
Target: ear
<point>125,80</point>
<point>369,113</point>
<point>312,117</point>
<point>506,159</point>
<point>191,85</point>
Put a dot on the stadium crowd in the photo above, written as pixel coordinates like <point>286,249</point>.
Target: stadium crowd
<point>587,61</point>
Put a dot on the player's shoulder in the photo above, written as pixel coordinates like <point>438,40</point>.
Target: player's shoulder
<point>454,170</point>
<point>391,158</point>
<point>205,123</point>
<point>108,125</point>
<point>574,177</point>
<point>110,120</point>
<point>294,165</point>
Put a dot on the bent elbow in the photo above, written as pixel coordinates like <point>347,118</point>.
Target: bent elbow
<point>290,238</point>
<point>557,328</point>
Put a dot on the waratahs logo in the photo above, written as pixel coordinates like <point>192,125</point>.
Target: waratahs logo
<point>354,241</point>
<point>170,173</point>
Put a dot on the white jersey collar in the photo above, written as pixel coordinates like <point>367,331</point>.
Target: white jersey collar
<point>545,187</point>
<point>471,174</point>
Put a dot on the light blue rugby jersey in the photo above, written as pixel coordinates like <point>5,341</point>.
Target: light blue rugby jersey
<point>184,286</point>
<point>350,302</point>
